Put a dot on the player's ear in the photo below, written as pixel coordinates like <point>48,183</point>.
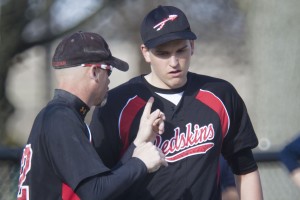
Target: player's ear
<point>146,53</point>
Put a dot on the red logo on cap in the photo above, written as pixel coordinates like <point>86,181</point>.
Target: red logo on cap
<point>160,25</point>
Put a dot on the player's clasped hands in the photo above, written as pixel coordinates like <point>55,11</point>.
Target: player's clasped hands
<point>150,125</point>
<point>151,155</point>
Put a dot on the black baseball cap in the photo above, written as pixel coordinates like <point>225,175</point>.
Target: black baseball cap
<point>163,24</point>
<point>82,48</point>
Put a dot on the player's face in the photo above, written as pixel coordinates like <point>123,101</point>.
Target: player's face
<point>169,63</point>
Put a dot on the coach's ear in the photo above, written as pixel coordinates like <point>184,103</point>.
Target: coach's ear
<point>145,52</point>
<point>94,73</point>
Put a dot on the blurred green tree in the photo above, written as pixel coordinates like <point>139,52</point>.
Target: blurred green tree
<point>27,23</point>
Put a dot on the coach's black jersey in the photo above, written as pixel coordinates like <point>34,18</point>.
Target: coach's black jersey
<point>211,118</point>
<point>59,153</point>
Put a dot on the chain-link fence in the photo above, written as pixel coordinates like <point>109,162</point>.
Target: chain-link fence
<point>9,175</point>
<point>276,182</point>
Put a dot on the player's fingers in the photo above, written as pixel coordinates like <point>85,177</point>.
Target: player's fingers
<point>162,115</point>
<point>156,120</point>
<point>154,116</point>
<point>159,125</point>
<point>148,107</point>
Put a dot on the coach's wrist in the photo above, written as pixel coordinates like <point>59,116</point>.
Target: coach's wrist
<point>138,142</point>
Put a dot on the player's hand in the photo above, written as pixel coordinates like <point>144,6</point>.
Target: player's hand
<point>150,124</point>
<point>151,155</point>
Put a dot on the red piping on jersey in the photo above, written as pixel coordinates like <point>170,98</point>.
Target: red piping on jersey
<point>68,194</point>
<point>212,101</point>
<point>200,149</point>
<point>126,118</point>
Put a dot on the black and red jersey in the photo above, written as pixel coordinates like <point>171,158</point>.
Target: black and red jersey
<point>58,154</point>
<point>60,160</point>
<point>210,119</point>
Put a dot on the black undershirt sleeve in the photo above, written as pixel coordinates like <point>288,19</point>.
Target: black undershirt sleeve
<point>242,162</point>
<point>112,184</point>
<point>127,155</point>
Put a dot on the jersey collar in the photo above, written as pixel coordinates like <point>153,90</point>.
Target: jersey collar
<point>73,101</point>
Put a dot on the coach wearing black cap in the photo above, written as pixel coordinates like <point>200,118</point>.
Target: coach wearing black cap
<point>59,160</point>
<point>205,117</point>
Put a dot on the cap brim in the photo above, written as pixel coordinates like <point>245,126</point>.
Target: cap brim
<point>184,35</point>
<point>119,64</point>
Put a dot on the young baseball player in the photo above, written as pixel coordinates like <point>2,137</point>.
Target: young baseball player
<point>205,117</point>
<point>59,160</point>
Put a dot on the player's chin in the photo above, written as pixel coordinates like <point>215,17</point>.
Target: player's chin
<point>176,83</point>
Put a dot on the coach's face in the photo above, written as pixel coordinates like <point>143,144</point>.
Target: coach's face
<point>169,63</point>
<point>101,87</point>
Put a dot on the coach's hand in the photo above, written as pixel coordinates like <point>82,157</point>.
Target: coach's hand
<point>151,124</point>
<point>151,155</point>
